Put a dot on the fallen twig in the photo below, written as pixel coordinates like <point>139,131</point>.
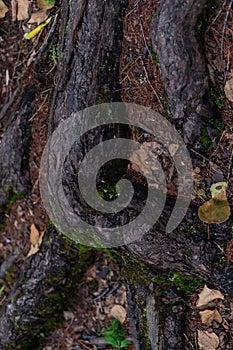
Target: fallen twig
<point>224,27</point>
<point>9,103</point>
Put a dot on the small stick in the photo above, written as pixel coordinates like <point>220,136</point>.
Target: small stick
<point>224,27</point>
<point>9,103</point>
<point>216,17</point>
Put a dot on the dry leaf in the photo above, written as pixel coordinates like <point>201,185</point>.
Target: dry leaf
<point>35,239</point>
<point>23,6</point>
<point>68,315</point>
<point>208,295</point>
<point>34,235</point>
<point>38,17</point>
<point>207,341</point>
<point>119,313</point>
<point>208,316</point>
<point>217,209</point>
<point>45,4</point>
<point>3,9</point>
<point>228,89</point>
<point>140,159</point>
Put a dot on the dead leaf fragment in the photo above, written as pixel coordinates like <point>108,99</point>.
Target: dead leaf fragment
<point>38,17</point>
<point>208,316</point>
<point>34,235</point>
<point>23,7</point>
<point>207,341</point>
<point>45,4</point>
<point>35,240</point>
<point>119,313</point>
<point>208,295</point>
<point>228,89</point>
<point>68,315</point>
<point>3,9</point>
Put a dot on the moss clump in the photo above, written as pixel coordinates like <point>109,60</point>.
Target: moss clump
<point>13,195</point>
<point>108,191</point>
<point>217,97</point>
<point>154,58</point>
<point>205,139</point>
<point>63,286</point>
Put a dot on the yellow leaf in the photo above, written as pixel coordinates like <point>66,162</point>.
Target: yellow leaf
<point>208,295</point>
<point>207,341</point>
<point>217,209</point>
<point>35,31</point>
<point>3,9</point>
<point>208,316</point>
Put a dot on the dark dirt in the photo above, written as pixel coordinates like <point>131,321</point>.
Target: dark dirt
<point>100,288</point>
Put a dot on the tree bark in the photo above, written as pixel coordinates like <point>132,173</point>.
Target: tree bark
<point>156,268</point>
<point>88,70</point>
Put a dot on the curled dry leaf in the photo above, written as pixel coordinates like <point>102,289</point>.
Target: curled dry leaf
<point>207,341</point>
<point>208,316</point>
<point>119,313</point>
<point>208,295</point>
<point>3,9</point>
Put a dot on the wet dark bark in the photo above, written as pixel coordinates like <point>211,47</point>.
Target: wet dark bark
<point>88,70</point>
<point>91,34</point>
<point>14,150</point>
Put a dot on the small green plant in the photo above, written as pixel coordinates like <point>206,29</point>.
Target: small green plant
<point>114,335</point>
<point>205,139</point>
<point>53,55</point>
<point>108,191</point>
<point>1,292</point>
<point>217,97</point>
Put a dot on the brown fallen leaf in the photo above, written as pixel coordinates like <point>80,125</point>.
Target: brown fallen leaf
<point>119,313</point>
<point>23,7</point>
<point>208,316</point>
<point>38,17</point>
<point>208,295</point>
<point>3,9</point>
<point>35,240</point>
<point>228,89</point>
<point>207,341</point>
<point>45,4</point>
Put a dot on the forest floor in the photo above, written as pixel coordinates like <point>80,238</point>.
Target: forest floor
<point>22,64</point>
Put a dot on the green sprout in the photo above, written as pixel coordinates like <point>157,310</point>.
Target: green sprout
<point>114,335</point>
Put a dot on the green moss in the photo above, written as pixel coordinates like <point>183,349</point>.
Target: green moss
<point>108,191</point>
<point>13,195</point>
<point>63,286</point>
<point>217,97</point>
<point>154,58</point>
<point>205,139</point>
<point>104,96</point>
